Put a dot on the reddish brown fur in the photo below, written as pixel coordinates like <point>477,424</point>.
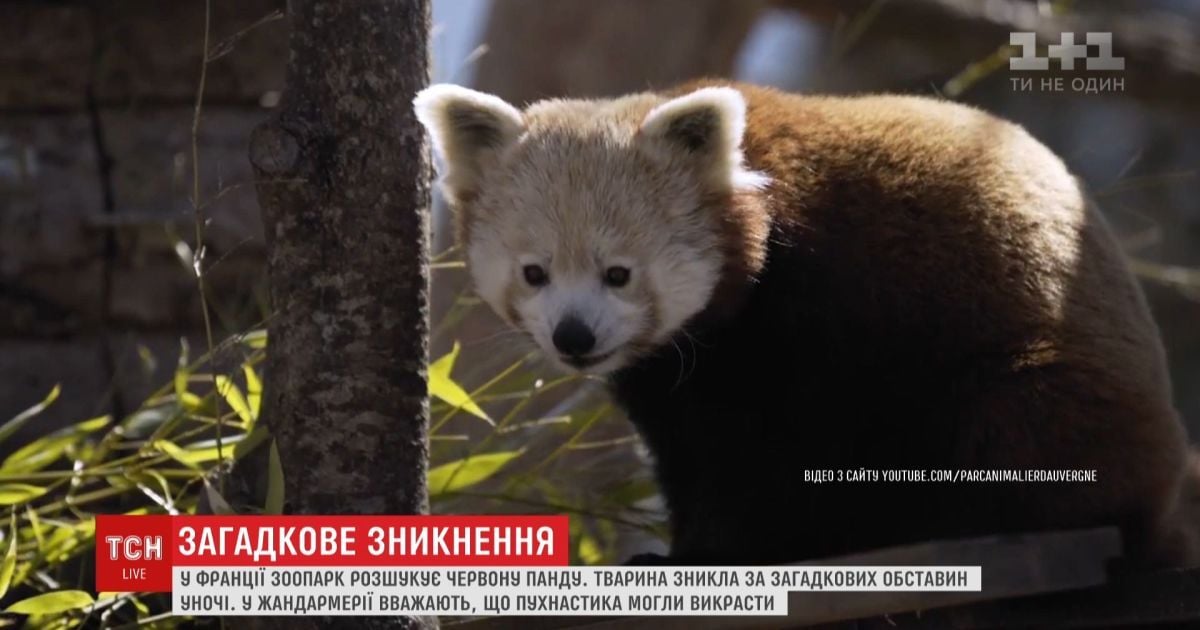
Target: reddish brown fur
<point>953,238</point>
<point>920,286</point>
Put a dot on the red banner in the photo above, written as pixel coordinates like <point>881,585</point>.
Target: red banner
<point>136,553</point>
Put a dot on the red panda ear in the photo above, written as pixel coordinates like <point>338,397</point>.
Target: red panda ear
<point>465,126</point>
<point>704,127</point>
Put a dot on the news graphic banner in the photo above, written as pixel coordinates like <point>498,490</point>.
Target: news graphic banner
<point>443,565</point>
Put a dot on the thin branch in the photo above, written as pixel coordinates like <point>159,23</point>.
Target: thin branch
<point>198,215</point>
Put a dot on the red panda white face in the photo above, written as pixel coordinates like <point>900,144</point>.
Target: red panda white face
<point>588,224</point>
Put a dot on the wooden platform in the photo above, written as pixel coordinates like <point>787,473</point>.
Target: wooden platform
<point>1048,580</point>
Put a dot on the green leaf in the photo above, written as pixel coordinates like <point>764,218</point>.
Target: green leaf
<point>589,550</point>
<point>14,493</point>
<point>193,457</point>
<point>90,426</point>
<point>187,399</point>
<point>149,363</point>
<point>118,481</point>
<point>38,454</point>
<point>445,364</point>
<point>232,395</point>
<point>151,420</point>
<point>228,442</point>
<point>9,564</point>
<point>181,383</point>
<point>66,539</point>
<point>15,424</point>
<point>256,339</point>
<point>86,528</point>
<point>250,442</point>
<point>52,603</point>
<point>167,501</point>
<point>42,452</point>
<point>253,391</point>
<point>191,402</point>
<point>215,501</point>
<point>274,504</point>
<point>35,525</point>
<point>443,387</point>
<point>465,473</point>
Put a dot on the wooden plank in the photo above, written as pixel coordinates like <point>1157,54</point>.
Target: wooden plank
<point>1013,566</point>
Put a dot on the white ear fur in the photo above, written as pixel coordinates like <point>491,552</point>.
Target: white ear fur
<point>707,124</point>
<point>464,125</point>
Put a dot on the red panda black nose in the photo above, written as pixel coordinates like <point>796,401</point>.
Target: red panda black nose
<point>572,337</point>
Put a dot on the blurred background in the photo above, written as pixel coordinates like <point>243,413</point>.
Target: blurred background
<point>101,150</point>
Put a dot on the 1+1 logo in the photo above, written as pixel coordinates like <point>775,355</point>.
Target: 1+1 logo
<point>1067,52</point>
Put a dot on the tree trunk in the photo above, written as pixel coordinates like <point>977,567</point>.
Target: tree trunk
<point>342,173</point>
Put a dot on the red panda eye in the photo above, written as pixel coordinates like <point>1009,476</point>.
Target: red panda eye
<point>616,276</point>
<point>535,275</point>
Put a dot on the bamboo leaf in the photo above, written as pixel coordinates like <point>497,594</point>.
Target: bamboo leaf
<point>171,449</point>
<point>443,387</point>
<point>256,339</point>
<point>193,457</point>
<point>187,399</point>
<point>232,395</point>
<point>180,382</point>
<point>253,391</point>
<point>90,426</point>
<point>14,493</point>
<point>165,500</point>
<point>42,452</point>
<point>191,402</point>
<point>465,473</point>
<point>274,504</point>
<point>445,364</point>
<point>35,525</point>
<point>589,550</point>
<point>38,454</point>
<point>250,442</point>
<point>66,539</point>
<point>217,502</point>
<point>15,424</point>
<point>52,603</point>
<point>9,564</point>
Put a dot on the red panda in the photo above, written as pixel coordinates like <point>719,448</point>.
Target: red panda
<point>776,284</point>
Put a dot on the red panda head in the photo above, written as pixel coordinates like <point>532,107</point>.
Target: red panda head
<point>599,227</point>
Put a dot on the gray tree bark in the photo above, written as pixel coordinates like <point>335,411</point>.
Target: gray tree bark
<point>342,174</point>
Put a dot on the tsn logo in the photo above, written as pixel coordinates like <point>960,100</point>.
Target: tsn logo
<point>134,548</point>
<point>1066,51</point>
